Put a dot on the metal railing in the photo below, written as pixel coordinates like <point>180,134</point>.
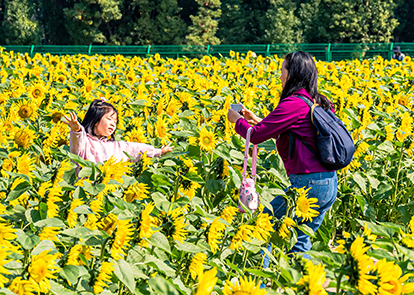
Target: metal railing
<point>321,51</point>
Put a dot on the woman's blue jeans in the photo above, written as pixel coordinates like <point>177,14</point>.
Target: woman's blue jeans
<point>323,187</point>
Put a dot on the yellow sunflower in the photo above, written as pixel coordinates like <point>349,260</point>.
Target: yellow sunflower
<point>25,165</point>
<point>161,130</point>
<point>3,260</point>
<point>56,116</point>
<point>285,228</point>
<point>206,59</point>
<point>107,268</point>
<point>229,213</point>
<point>244,233</point>
<point>215,234</point>
<point>196,266</point>
<point>246,286</point>
<point>88,86</point>
<point>73,216</point>
<point>108,224</point>
<point>25,109</point>
<point>363,265</point>
<point>207,281</point>
<point>61,79</point>
<point>391,280</point>
<point>36,92</point>
<point>50,233</point>
<point>148,224</point>
<point>73,256</point>
<point>42,268</point>
<point>207,139</point>
<point>113,170</point>
<point>123,234</point>
<point>8,166</point>
<point>264,227</point>
<point>314,279</point>
<point>137,191</point>
<point>23,138</point>
<point>20,286</point>
<point>304,206</point>
<point>177,218</point>
<point>136,135</point>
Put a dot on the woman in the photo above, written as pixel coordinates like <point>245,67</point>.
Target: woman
<point>293,116</point>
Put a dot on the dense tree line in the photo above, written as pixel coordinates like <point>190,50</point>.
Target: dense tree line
<point>143,22</point>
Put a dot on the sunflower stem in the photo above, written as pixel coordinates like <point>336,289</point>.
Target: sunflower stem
<point>244,259</point>
<point>234,256</point>
<point>338,283</point>
<point>177,183</point>
<point>186,279</point>
<point>394,194</point>
<point>103,249</point>
<point>222,242</point>
<point>121,288</point>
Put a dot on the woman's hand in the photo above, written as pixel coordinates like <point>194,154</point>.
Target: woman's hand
<point>251,118</point>
<point>72,122</point>
<point>233,116</point>
<point>166,149</point>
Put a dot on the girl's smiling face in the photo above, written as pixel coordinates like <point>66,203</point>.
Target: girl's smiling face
<point>107,125</point>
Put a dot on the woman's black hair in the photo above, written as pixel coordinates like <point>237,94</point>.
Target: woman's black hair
<point>96,111</point>
<point>302,73</point>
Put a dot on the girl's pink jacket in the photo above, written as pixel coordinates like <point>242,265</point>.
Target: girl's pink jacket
<point>97,150</point>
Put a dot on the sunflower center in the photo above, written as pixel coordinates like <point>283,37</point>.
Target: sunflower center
<point>7,165</point>
<point>41,273</point>
<point>25,112</point>
<point>21,139</point>
<point>304,205</point>
<point>24,168</point>
<point>206,140</point>
<point>36,92</point>
<point>57,116</point>
<point>396,289</point>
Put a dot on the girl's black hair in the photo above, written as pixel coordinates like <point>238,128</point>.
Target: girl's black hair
<point>302,73</point>
<point>96,111</point>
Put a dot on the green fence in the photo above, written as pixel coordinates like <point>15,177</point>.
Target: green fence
<point>326,52</point>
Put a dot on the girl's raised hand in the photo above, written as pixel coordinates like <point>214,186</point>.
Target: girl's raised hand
<point>251,118</point>
<point>72,122</point>
<point>167,148</point>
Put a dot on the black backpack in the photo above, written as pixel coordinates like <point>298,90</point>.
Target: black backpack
<point>335,144</point>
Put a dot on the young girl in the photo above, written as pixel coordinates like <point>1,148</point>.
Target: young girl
<point>299,78</point>
<point>89,140</point>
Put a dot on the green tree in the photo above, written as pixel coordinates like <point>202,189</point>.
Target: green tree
<point>282,25</point>
<point>205,24</point>
<point>88,20</point>
<point>354,21</point>
<point>233,22</point>
<point>404,32</point>
<point>19,23</point>
<point>150,22</point>
<point>243,21</point>
<point>54,22</point>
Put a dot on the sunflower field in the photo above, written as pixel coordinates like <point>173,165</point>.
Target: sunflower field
<point>170,225</point>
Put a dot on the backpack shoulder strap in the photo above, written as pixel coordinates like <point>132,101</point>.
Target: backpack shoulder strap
<point>307,100</point>
<point>310,104</point>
